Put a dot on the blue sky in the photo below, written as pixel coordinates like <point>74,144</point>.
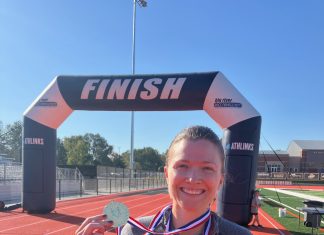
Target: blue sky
<point>272,51</point>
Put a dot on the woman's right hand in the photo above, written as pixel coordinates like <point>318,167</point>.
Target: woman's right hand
<point>95,225</point>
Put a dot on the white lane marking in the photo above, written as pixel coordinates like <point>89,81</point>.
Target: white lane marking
<point>64,216</point>
<point>77,205</point>
<point>296,194</point>
<point>148,212</point>
<point>281,233</point>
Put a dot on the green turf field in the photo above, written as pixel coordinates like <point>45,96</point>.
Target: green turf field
<point>309,192</point>
<point>290,221</point>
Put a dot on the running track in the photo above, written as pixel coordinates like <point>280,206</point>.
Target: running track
<point>69,214</point>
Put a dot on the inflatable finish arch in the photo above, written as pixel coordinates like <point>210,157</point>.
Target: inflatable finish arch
<point>210,91</point>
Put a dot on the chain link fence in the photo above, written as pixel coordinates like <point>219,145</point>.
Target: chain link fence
<point>10,183</point>
<point>112,180</point>
<point>70,182</point>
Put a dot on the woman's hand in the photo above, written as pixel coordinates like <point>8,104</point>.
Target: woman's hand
<point>96,225</point>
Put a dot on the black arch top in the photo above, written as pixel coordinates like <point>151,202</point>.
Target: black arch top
<point>209,91</point>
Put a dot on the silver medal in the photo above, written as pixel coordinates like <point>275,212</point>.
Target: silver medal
<point>117,212</point>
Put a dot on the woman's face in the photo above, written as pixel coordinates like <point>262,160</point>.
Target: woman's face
<point>193,174</point>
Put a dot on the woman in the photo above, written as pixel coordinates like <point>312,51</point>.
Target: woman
<point>194,172</point>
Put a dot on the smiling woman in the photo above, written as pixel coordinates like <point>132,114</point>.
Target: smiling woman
<point>194,172</point>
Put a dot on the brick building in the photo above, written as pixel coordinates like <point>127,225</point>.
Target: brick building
<point>310,154</point>
<point>270,161</point>
<point>301,156</point>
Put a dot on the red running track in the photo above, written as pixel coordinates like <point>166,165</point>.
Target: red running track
<point>69,214</point>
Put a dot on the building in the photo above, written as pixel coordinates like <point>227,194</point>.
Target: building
<point>310,154</point>
<point>301,156</point>
<point>273,161</point>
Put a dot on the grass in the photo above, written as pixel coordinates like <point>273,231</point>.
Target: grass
<point>309,192</point>
<point>290,221</point>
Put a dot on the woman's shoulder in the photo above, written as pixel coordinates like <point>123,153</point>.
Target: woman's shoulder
<point>225,227</point>
<point>132,230</point>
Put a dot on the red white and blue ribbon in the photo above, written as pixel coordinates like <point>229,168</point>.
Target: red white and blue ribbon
<point>158,217</point>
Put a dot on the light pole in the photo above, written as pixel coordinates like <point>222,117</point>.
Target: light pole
<point>141,3</point>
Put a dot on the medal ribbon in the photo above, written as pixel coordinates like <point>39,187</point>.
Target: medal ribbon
<point>156,220</point>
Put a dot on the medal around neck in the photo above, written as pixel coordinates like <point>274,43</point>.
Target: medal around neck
<point>117,212</point>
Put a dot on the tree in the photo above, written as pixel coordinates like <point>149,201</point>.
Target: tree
<point>163,158</point>
<point>60,152</point>
<point>148,159</point>
<point>11,140</point>
<point>2,139</point>
<point>99,149</point>
<point>77,151</point>
<point>89,149</point>
<point>125,157</point>
<point>117,160</point>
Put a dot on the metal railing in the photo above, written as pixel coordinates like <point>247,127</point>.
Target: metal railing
<point>114,172</point>
<point>290,176</point>
<point>71,183</point>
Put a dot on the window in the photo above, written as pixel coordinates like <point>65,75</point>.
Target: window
<point>273,167</point>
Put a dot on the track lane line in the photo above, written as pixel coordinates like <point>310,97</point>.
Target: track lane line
<point>280,232</point>
<point>133,198</point>
<point>101,204</point>
<point>85,211</point>
<point>148,212</point>
<point>94,201</point>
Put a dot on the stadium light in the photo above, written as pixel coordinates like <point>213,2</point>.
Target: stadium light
<point>141,3</point>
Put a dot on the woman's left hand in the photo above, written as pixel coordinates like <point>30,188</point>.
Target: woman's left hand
<point>96,225</point>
